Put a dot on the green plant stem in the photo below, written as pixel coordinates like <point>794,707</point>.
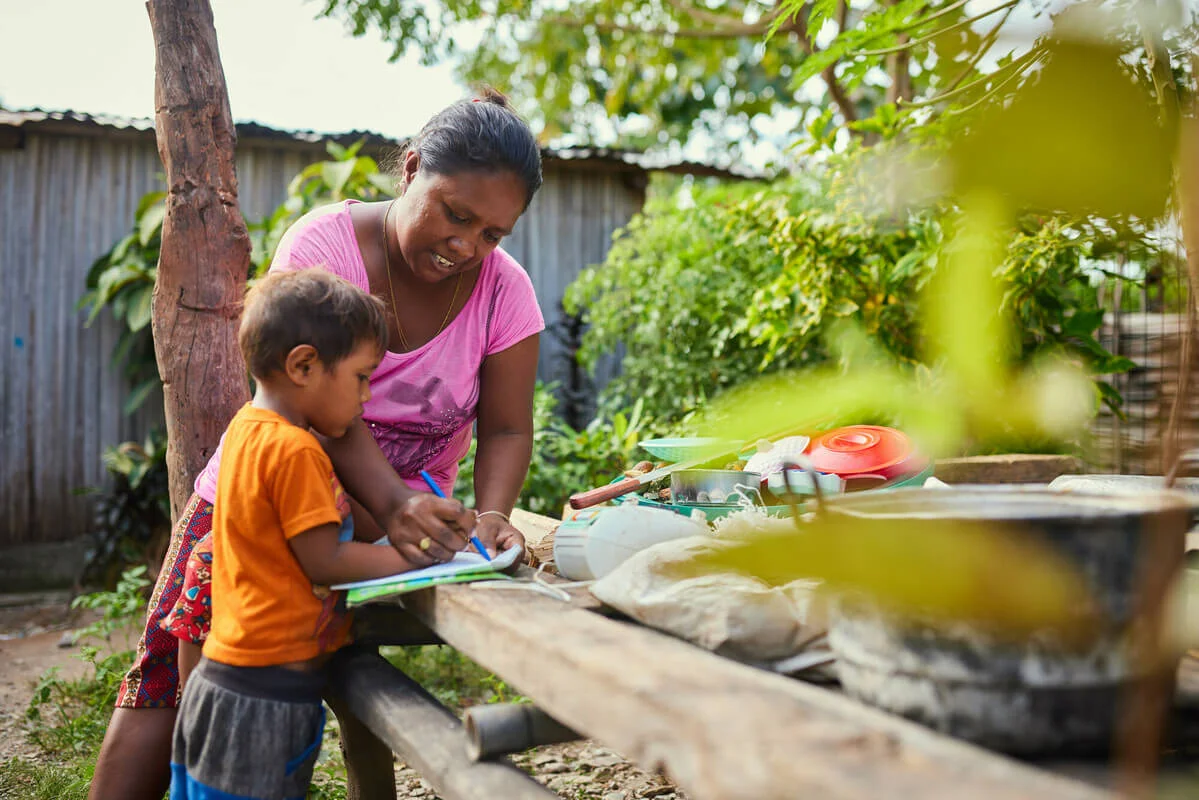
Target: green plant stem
<point>961,90</point>
<point>929,37</point>
<point>983,48</point>
<point>988,94</point>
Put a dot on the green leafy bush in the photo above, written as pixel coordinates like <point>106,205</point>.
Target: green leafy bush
<point>673,292</point>
<point>566,460</point>
<point>706,292</point>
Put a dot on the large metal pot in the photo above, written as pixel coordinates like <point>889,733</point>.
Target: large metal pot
<point>1030,697</point>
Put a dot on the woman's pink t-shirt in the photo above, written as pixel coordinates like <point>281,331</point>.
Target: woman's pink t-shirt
<point>423,403</point>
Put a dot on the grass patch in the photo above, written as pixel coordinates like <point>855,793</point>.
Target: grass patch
<point>67,720</point>
<point>25,779</point>
<point>455,680</point>
<point>69,717</point>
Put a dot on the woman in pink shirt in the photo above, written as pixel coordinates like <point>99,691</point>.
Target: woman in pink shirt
<point>464,325</point>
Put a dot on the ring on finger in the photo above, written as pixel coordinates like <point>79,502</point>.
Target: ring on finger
<point>425,543</point>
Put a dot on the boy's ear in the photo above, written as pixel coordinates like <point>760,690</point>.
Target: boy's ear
<point>301,364</point>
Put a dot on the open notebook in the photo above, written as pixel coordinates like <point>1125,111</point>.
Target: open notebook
<point>466,566</point>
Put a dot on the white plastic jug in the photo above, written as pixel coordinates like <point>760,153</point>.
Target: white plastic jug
<point>613,534</point>
<point>570,545</point>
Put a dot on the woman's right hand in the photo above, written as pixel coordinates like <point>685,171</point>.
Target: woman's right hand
<point>441,525</point>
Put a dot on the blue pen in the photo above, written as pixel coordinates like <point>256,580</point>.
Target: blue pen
<point>428,479</point>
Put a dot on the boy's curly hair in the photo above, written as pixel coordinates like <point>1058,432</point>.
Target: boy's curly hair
<point>284,310</point>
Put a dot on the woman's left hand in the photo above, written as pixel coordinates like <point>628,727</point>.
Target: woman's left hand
<point>497,534</point>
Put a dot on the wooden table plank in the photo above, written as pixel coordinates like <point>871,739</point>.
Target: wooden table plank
<point>721,730</point>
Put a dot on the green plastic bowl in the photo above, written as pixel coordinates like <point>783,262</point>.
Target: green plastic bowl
<point>675,450</point>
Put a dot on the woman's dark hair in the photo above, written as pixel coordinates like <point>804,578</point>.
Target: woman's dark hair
<point>483,134</point>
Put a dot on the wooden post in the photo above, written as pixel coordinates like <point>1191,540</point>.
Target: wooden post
<point>205,256</point>
<point>370,765</point>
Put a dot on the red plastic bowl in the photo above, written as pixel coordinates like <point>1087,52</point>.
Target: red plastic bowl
<point>861,450</point>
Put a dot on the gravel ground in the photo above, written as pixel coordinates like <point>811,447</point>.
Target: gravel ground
<point>579,770</point>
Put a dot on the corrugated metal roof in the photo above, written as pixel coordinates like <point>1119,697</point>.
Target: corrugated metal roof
<point>37,118</point>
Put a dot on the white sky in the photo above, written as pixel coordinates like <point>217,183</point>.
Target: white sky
<point>283,67</point>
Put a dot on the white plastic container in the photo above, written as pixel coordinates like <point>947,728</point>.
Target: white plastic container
<point>589,546</point>
<point>570,543</point>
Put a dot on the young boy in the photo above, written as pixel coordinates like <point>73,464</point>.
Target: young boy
<point>250,721</point>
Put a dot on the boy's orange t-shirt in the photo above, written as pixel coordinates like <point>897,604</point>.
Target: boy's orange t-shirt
<point>274,483</point>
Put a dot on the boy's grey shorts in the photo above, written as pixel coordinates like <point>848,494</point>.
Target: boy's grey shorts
<point>250,732</point>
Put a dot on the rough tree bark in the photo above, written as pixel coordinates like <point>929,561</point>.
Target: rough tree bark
<point>205,256</point>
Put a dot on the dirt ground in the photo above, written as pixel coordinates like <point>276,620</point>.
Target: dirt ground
<point>36,635</point>
<point>31,629</point>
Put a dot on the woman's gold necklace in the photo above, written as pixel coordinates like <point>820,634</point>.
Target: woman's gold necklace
<point>392,292</point>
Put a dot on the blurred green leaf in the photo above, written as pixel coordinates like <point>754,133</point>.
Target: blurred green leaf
<point>335,175</point>
<point>820,11</point>
<point>149,222</point>
<point>148,200</point>
<point>962,308</point>
<point>140,392</point>
<point>1083,138</point>
<point>140,308</point>
<point>935,571</point>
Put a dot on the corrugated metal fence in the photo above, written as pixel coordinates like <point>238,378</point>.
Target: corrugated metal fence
<point>65,199</point>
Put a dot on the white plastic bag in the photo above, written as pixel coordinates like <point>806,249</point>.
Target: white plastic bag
<point>733,615</point>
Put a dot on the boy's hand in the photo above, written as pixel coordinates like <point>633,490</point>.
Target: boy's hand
<point>428,530</point>
<point>497,535</point>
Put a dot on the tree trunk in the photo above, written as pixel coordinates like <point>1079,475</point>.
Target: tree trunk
<point>205,256</point>
<point>899,70</point>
